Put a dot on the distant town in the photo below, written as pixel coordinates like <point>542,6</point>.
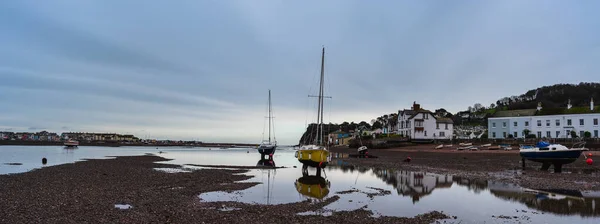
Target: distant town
<point>93,139</point>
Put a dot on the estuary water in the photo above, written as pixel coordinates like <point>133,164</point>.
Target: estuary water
<point>384,192</point>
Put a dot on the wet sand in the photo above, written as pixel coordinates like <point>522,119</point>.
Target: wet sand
<point>87,192</point>
<point>484,165</point>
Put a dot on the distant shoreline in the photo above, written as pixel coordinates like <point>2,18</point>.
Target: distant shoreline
<point>118,144</point>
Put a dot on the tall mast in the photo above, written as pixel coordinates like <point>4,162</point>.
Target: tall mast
<point>269,116</point>
<point>321,94</point>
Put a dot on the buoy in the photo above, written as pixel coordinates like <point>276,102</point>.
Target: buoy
<point>589,161</point>
<point>408,159</point>
<point>590,154</point>
<point>44,161</point>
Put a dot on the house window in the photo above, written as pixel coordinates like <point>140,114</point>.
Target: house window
<point>494,125</point>
<point>580,121</point>
<point>569,122</point>
<point>581,133</point>
<point>407,124</point>
<point>493,134</point>
<point>437,126</point>
<point>419,124</point>
<point>548,134</point>
<point>442,134</point>
<point>596,133</point>
<point>539,134</point>
<point>504,134</point>
<point>526,123</point>
<point>557,134</point>
<point>595,121</point>
<point>402,124</point>
<point>515,134</point>
<point>539,123</point>
<point>446,126</point>
<point>547,123</point>
<point>425,133</point>
<point>557,122</point>
<point>515,123</point>
<point>567,133</point>
<point>503,124</point>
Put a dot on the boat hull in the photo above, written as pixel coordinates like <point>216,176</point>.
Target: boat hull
<point>313,158</point>
<point>267,150</point>
<point>555,157</point>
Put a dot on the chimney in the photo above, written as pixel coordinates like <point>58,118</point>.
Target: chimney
<point>417,107</point>
<point>592,104</point>
<point>569,104</point>
<point>539,107</point>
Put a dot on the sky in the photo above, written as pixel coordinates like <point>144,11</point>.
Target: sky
<point>201,70</point>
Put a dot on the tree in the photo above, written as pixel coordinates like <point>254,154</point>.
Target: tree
<point>477,107</point>
<point>510,136</point>
<point>364,124</point>
<point>492,106</point>
<point>470,109</point>
<point>526,132</point>
<point>573,134</point>
<point>377,125</point>
<point>587,134</point>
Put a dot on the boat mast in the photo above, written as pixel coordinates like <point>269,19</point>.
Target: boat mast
<point>321,94</point>
<point>269,116</point>
<point>319,138</point>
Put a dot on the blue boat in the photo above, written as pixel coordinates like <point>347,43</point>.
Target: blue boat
<point>551,154</point>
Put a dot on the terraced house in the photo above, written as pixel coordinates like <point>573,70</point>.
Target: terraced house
<point>545,123</point>
<point>418,123</point>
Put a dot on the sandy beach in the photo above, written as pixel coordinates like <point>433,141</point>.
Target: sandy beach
<point>87,192</point>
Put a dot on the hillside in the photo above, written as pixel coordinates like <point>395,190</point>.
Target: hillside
<point>555,96</point>
<point>554,100</point>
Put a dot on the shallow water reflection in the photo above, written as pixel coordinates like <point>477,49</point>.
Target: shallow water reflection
<point>405,193</point>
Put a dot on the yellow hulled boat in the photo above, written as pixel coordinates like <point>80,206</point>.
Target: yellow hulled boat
<point>316,155</point>
<point>313,155</point>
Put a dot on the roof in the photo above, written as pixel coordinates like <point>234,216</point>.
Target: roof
<point>421,111</point>
<point>444,120</point>
<point>515,113</point>
<point>407,112</point>
<point>573,110</point>
<point>545,111</point>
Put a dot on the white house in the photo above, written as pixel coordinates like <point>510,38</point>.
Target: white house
<point>513,123</point>
<point>418,123</point>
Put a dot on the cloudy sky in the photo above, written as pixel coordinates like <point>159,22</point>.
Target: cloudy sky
<point>201,69</point>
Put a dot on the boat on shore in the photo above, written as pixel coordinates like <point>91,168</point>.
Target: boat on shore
<point>268,147</point>
<point>316,154</point>
<point>551,154</point>
<point>71,143</point>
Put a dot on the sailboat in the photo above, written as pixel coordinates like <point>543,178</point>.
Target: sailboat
<point>268,147</point>
<point>316,155</point>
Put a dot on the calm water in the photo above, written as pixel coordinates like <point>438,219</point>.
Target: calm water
<point>385,192</point>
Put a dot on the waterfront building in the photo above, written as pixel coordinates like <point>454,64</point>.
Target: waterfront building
<point>418,123</point>
<point>542,123</point>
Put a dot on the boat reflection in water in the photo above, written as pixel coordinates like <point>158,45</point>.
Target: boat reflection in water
<point>561,202</point>
<point>313,186</point>
<point>266,162</point>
